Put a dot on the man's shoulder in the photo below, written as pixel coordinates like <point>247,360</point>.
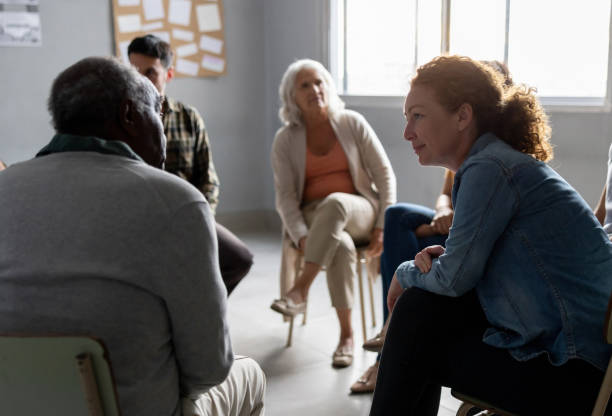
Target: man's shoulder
<point>179,107</point>
<point>169,187</point>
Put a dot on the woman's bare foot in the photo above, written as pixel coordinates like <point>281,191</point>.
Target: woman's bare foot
<point>297,295</point>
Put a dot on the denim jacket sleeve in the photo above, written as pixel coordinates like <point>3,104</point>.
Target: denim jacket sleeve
<point>484,202</point>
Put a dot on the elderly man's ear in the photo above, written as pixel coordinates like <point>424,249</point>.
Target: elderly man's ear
<point>129,117</point>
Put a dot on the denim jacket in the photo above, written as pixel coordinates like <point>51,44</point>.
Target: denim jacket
<point>532,249</point>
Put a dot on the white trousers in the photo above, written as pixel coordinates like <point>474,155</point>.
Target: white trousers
<point>241,394</point>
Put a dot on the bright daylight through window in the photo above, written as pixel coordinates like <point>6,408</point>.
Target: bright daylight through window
<point>557,46</point>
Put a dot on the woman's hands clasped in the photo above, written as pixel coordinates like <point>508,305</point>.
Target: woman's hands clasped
<point>424,257</point>
<point>423,261</point>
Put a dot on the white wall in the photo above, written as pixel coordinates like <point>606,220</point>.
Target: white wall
<point>240,109</point>
<point>296,29</point>
<point>232,105</point>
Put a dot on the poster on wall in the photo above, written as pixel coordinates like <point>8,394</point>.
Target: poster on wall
<point>194,29</point>
<point>20,23</point>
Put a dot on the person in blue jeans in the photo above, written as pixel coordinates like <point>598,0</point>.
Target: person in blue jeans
<point>409,228</point>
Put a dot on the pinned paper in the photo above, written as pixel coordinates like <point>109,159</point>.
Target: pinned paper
<point>186,50</point>
<point>187,67</point>
<point>179,12</point>
<point>148,27</point>
<point>208,43</point>
<point>153,9</point>
<point>181,34</point>
<point>123,49</point>
<point>129,23</point>
<point>165,36</point>
<point>126,3</point>
<point>213,63</point>
<point>208,17</point>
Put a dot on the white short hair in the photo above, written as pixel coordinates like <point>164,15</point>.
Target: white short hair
<point>290,113</point>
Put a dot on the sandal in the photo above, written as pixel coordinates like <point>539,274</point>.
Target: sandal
<point>375,343</point>
<point>287,307</point>
<point>343,357</point>
<point>367,382</point>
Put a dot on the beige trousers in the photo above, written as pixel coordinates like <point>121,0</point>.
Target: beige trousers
<point>335,223</point>
<point>241,394</point>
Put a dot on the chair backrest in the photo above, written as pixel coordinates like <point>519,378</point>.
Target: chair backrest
<point>55,375</point>
<point>608,323</point>
<point>606,386</point>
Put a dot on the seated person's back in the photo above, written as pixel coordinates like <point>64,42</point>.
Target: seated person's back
<point>91,244</point>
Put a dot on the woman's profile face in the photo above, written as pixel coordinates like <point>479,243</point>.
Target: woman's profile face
<point>310,91</point>
<point>432,130</point>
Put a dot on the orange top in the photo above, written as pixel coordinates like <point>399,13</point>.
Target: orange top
<point>327,174</point>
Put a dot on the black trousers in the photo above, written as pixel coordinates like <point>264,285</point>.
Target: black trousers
<point>235,259</point>
<point>435,341</point>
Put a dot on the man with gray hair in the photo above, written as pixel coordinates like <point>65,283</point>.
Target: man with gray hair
<point>96,240</point>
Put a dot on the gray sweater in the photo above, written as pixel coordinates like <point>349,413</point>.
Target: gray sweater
<point>107,246</point>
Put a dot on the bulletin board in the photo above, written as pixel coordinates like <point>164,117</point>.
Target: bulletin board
<point>194,29</point>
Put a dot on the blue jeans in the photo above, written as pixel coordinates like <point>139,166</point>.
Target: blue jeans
<point>400,244</point>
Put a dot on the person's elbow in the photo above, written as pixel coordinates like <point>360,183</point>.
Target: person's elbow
<point>192,386</point>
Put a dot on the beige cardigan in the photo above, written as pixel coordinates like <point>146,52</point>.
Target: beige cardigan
<point>369,167</point>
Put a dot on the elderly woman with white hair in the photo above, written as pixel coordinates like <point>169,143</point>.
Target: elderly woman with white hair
<point>333,182</point>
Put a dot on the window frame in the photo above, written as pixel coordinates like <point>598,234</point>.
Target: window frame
<point>551,104</point>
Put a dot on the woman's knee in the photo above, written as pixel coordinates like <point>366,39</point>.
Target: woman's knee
<point>333,206</point>
<point>408,215</point>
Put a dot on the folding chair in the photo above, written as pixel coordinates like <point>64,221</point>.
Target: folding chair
<point>55,375</point>
<point>362,261</point>
<point>471,404</point>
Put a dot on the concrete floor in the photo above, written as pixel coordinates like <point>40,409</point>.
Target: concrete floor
<point>301,380</point>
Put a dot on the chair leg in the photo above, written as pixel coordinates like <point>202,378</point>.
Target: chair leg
<point>360,279</point>
<point>371,290</point>
<point>290,332</point>
<point>604,392</point>
<point>464,409</point>
<point>305,313</point>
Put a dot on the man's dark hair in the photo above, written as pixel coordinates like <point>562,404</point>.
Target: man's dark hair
<point>154,47</point>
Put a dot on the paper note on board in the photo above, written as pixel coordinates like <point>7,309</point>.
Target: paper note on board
<point>213,63</point>
<point>129,23</point>
<point>123,48</point>
<point>187,67</point>
<point>179,12</point>
<point>210,44</point>
<point>181,34</point>
<point>165,36</point>
<point>186,50</point>
<point>208,17</point>
<point>148,27</point>
<point>153,9</point>
<point>125,3</point>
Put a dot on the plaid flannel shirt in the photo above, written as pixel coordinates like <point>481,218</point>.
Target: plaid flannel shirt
<point>188,153</point>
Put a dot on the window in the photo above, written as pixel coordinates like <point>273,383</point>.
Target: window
<point>561,48</point>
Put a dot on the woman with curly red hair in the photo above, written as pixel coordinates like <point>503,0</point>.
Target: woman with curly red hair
<point>511,310</point>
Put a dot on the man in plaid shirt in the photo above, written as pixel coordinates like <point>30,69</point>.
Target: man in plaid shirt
<point>188,153</point>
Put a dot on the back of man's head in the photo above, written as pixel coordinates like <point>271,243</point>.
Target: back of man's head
<point>154,47</point>
<point>86,97</point>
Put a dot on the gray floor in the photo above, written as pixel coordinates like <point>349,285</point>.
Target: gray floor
<point>301,380</point>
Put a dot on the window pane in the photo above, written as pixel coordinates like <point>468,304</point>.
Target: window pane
<point>429,30</point>
<point>380,46</point>
<point>561,48</point>
<point>478,29</point>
